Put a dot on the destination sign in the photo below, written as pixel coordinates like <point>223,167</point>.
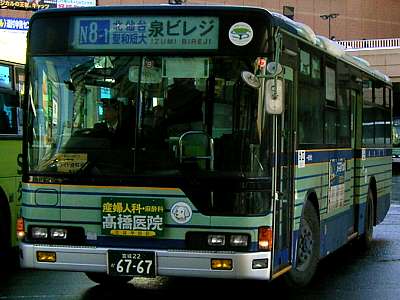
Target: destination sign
<point>145,33</point>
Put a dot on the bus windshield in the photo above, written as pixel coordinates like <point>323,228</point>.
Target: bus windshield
<point>171,116</point>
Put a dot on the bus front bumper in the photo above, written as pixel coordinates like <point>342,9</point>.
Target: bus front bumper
<point>183,263</point>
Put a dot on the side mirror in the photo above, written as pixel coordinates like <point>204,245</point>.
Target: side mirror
<point>274,68</point>
<point>274,96</point>
<point>250,79</point>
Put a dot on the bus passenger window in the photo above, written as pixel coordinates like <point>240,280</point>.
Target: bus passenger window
<point>7,114</point>
<point>4,121</point>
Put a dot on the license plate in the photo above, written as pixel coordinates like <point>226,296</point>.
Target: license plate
<point>131,263</point>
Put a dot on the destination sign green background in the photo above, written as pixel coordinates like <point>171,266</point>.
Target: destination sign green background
<point>132,217</point>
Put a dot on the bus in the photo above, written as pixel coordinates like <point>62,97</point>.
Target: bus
<point>276,162</point>
<point>396,141</point>
<point>11,91</point>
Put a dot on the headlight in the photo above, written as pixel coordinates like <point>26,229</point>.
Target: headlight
<point>239,240</point>
<point>58,233</point>
<point>216,240</point>
<point>39,233</point>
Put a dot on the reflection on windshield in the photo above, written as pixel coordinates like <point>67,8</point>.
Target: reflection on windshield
<point>121,116</point>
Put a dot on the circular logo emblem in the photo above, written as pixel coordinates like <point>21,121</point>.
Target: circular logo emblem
<point>181,212</point>
<point>240,34</point>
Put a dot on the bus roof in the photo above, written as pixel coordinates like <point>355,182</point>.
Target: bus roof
<point>297,29</point>
<point>151,8</point>
<point>304,32</point>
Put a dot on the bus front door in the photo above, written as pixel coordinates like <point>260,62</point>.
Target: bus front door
<point>282,184</point>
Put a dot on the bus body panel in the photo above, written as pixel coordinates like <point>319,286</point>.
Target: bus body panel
<point>80,206</point>
<point>11,84</point>
<point>377,165</point>
<point>169,262</point>
<point>338,219</point>
<point>335,208</point>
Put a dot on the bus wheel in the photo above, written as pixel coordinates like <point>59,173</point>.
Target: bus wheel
<point>105,279</point>
<point>365,240</point>
<point>307,256</point>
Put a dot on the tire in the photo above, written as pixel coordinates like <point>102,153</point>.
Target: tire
<point>105,279</point>
<point>308,248</point>
<point>365,240</point>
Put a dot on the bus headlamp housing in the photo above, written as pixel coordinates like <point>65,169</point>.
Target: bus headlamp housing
<point>239,240</point>
<point>39,233</point>
<point>216,240</point>
<point>56,235</point>
<point>235,240</point>
<point>45,232</point>
<point>224,241</point>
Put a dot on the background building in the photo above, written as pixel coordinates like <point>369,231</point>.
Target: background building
<point>357,19</point>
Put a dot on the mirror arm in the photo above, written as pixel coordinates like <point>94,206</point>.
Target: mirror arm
<point>278,45</point>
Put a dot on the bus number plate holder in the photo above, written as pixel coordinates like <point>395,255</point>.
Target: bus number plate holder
<point>131,263</point>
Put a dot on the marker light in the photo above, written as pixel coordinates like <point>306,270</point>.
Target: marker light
<point>239,240</point>
<point>265,238</point>
<point>260,263</point>
<point>39,232</point>
<point>221,264</point>
<point>216,240</point>
<point>262,62</point>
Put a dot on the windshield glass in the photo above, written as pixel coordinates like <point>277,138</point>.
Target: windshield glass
<point>136,117</point>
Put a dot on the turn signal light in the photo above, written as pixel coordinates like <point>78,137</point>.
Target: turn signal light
<point>265,238</point>
<point>20,228</point>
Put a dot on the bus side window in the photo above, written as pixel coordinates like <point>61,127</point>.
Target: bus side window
<point>5,124</point>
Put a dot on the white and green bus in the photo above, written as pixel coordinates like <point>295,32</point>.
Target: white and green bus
<point>268,158</point>
<point>11,86</point>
